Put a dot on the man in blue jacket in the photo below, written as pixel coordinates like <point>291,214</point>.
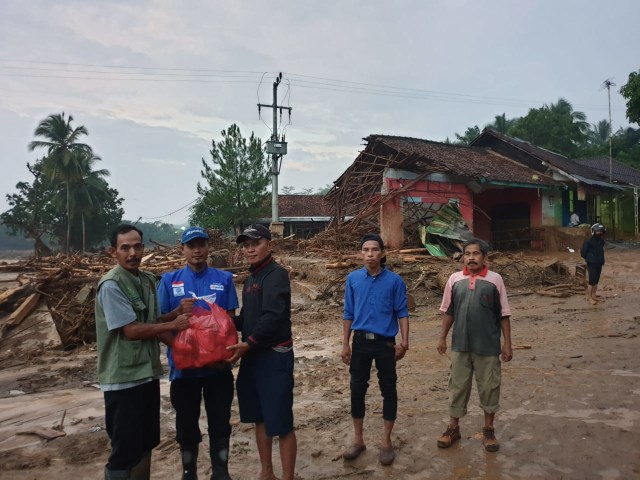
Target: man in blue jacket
<point>375,309</point>
<point>187,287</point>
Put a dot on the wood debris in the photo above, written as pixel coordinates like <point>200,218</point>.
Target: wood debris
<point>68,283</point>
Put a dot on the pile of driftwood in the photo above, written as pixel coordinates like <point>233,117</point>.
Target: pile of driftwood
<point>523,275</point>
<point>67,284</point>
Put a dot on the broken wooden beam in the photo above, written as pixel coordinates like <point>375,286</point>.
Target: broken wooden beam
<point>26,307</point>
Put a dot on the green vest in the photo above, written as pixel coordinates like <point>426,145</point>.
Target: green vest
<point>121,360</point>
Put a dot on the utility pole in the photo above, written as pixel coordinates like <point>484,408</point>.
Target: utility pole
<point>608,83</point>
<point>277,149</point>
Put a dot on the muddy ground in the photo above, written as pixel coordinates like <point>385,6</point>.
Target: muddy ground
<point>570,404</point>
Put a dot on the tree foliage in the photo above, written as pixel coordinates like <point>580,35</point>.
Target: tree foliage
<point>469,136</point>
<point>502,124</point>
<point>161,232</point>
<point>63,153</point>
<point>67,198</point>
<point>559,128</point>
<point>32,213</point>
<point>235,182</point>
<point>631,92</point>
<point>598,134</point>
<point>556,127</point>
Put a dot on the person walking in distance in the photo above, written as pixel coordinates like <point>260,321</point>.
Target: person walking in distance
<point>593,253</point>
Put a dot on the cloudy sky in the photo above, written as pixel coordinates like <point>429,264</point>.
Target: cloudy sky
<point>154,81</point>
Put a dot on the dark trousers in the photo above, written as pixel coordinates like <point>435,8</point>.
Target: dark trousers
<point>594,269</point>
<point>363,353</point>
<point>186,396</point>
<point>132,418</point>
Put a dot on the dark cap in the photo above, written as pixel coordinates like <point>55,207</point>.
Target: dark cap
<point>372,236</point>
<point>193,232</point>
<point>254,232</point>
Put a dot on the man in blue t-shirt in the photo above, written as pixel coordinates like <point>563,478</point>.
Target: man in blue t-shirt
<point>189,287</point>
<point>375,309</point>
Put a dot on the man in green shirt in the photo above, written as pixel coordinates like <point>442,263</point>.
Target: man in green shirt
<point>128,326</point>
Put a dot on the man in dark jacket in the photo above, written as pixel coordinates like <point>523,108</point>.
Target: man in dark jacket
<point>265,379</point>
<point>593,253</point>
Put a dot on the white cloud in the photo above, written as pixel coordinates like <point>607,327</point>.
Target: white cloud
<point>504,56</point>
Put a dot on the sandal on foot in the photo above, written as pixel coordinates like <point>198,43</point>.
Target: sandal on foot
<point>353,451</point>
<point>386,455</point>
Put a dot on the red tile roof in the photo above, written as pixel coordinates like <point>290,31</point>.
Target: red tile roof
<point>478,163</point>
<point>303,206</point>
<point>620,172</point>
<point>489,136</point>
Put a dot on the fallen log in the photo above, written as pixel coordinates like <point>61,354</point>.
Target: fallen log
<point>43,432</point>
<point>25,308</point>
<point>11,292</point>
<point>159,244</point>
<point>82,296</point>
<point>558,286</point>
<point>330,266</point>
<point>146,258</point>
<point>560,294</point>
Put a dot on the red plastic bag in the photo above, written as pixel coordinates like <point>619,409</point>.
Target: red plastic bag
<point>206,340</point>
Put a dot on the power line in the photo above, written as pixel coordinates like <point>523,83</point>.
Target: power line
<point>169,214</point>
<point>150,74</point>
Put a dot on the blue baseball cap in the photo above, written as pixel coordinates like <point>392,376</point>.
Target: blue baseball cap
<point>193,232</point>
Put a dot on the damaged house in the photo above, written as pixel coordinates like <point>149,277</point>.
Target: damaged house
<point>588,191</point>
<point>399,184</point>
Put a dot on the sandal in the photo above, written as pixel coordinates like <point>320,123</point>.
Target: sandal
<point>353,451</point>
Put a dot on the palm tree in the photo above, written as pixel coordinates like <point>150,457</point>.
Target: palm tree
<point>88,189</point>
<point>61,142</point>
<point>564,109</point>
<point>598,133</point>
<point>501,124</point>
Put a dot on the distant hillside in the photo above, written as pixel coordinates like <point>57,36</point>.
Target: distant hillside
<point>8,242</point>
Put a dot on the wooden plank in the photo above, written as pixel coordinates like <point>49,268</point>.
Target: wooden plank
<point>25,308</point>
<point>83,294</point>
<point>4,296</point>
<point>146,258</point>
<point>413,250</point>
<point>42,432</point>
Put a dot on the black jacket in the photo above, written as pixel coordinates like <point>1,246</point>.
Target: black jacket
<point>265,318</point>
<point>593,250</point>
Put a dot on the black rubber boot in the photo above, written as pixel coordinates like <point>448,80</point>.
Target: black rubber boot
<point>116,474</point>
<point>219,451</point>
<point>142,471</point>
<point>189,462</point>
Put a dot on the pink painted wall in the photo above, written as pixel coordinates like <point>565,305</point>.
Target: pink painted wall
<point>441,192</point>
<point>438,192</point>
